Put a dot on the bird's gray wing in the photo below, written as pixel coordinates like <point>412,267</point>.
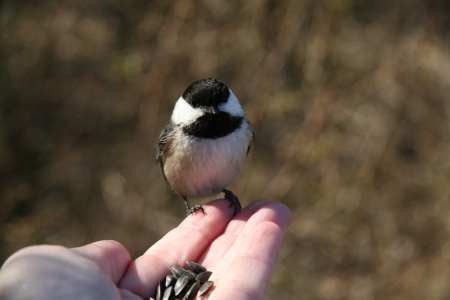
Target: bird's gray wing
<point>252,139</point>
<point>164,139</point>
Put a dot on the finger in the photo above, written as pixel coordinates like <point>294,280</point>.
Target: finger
<point>248,274</point>
<point>110,256</point>
<point>246,269</point>
<point>222,244</point>
<point>186,242</point>
<point>237,231</point>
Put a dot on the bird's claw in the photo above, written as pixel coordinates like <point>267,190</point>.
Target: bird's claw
<point>194,208</point>
<point>233,199</point>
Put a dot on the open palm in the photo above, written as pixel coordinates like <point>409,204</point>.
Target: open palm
<point>241,251</point>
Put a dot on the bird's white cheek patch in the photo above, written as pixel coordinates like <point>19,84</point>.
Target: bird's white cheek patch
<point>232,106</point>
<point>183,113</point>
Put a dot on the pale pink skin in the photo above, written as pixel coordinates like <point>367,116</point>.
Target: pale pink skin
<point>241,251</point>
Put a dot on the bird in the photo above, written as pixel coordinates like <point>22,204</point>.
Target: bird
<point>202,149</point>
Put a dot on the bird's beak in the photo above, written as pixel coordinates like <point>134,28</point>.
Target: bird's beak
<point>212,109</point>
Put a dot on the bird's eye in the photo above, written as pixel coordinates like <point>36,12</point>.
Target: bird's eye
<point>194,103</point>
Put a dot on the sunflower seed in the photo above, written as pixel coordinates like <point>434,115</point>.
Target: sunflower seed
<point>168,294</point>
<point>185,283</point>
<point>160,290</point>
<point>197,268</point>
<point>170,280</point>
<point>181,284</point>
<point>177,271</point>
<point>207,296</point>
<point>205,287</point>
<point>192,291</point>
<point>192,275</point>
<point>204,276</point>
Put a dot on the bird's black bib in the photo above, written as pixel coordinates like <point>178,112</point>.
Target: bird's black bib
<point>213,126</point>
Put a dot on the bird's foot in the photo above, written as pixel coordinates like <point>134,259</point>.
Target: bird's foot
<point>233,199</point>
<point>194,208</point>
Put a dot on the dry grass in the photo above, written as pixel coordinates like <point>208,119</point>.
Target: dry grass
<point>349,100</point>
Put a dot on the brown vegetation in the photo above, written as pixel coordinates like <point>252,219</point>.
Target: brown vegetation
<point>349,100</point>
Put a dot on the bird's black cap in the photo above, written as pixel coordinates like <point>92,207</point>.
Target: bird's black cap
<point>206,92</point>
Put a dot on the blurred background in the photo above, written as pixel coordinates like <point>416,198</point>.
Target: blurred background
<point>349,100</point>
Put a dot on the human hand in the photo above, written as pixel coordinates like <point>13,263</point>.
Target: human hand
<point>241,253</point>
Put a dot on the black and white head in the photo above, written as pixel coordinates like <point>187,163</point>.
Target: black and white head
<point>208,109</point>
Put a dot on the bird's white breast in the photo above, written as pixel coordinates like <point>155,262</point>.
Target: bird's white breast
<point>202,167</point>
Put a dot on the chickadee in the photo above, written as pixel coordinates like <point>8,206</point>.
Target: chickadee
<point>202,149</point>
